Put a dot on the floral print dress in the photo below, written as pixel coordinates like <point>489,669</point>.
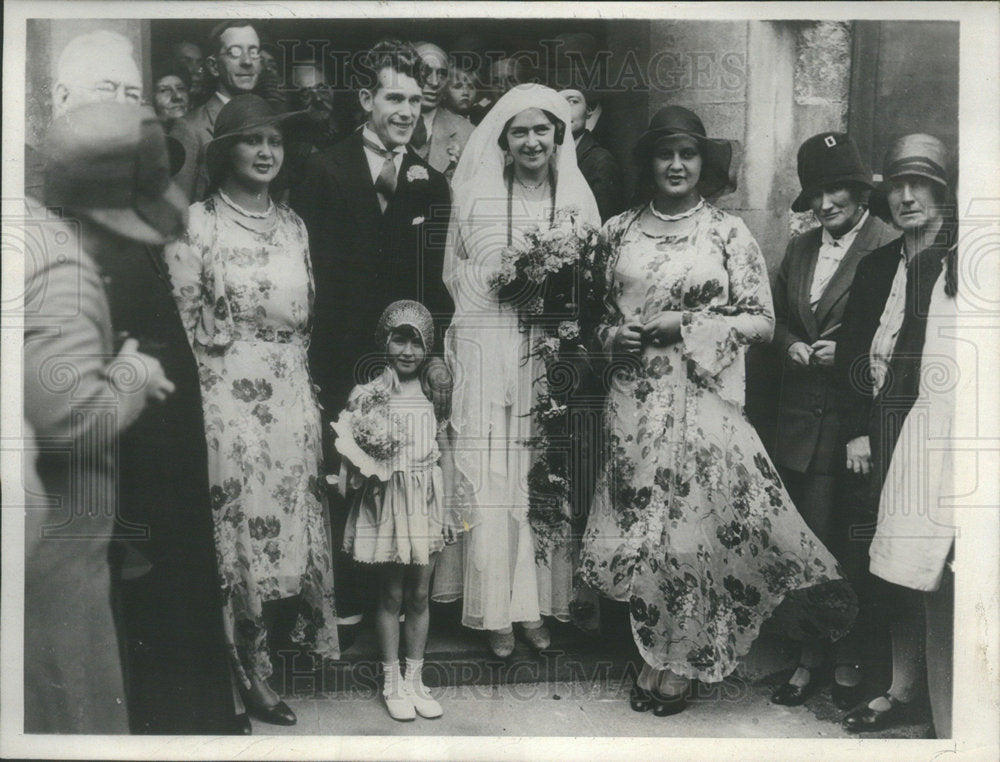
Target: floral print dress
<point>690,523</point>
<point>245,292</point>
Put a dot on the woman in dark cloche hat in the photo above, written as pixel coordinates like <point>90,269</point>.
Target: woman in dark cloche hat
<point>244,286</point>
<point>810,294</point>
<point>690,523</point>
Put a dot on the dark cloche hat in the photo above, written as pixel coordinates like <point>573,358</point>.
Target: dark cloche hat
<point>716,153</point>
<point>830,158</point>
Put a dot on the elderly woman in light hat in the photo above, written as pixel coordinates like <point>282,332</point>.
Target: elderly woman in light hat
<point>243,282</point>
<point>886,326</point>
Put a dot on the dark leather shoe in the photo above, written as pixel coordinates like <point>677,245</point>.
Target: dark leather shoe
<point>640,699</point>
<point>864,719</point>
<point>790,695</point>
<point>241,725</point>
<point>846,696</point>
<point>664,706</point>
<point>279,714</point>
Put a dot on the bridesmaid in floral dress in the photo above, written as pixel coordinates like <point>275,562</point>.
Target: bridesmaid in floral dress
<point>243,282</point>
<point>690,523</point>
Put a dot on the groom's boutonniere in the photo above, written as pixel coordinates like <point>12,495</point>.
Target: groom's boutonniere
<point>415,173</point>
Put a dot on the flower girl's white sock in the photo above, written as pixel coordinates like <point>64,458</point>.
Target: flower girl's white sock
<point>393,677</point>
<point>414,670</point>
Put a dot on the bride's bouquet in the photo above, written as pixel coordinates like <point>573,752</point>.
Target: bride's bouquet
<point>546,277</point>
<point>554,279</point>
<point>370,435</point>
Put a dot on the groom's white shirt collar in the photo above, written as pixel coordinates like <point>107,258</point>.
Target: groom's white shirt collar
<point>375,161</point>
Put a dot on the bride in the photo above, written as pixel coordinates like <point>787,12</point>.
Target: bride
<point>516,170</point>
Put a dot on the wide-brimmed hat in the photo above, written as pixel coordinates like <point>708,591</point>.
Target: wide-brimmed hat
<point>108,162</point>
<point>916,154</point>
<point>830,158</point>
<point>716,153</point>
<point>241,115</point>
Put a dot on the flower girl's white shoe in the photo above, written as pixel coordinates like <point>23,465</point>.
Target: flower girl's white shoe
<point>399,705</point>
<point>422,701</point>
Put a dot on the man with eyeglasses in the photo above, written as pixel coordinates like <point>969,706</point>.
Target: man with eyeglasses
<point>234,62</point>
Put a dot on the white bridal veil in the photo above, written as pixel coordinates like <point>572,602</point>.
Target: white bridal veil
<point>485,345</point>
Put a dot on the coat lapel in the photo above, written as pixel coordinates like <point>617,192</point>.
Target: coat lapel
<point>843,277</point>
<point>584,147</point>
<point>355,175</point>
<point>807,267</point>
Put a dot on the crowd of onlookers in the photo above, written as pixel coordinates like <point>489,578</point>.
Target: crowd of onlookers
<point>253,261</point>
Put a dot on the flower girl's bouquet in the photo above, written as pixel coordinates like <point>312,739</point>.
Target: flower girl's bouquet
<point>370,435</point>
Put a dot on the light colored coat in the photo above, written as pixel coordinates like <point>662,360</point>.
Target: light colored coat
<point>449,135</point>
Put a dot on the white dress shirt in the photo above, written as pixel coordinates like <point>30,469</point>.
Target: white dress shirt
<point>428,117</point>
<point>831,254</point>
<point>884,341</point>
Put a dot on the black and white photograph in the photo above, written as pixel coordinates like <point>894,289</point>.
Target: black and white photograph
<point>395,380</point>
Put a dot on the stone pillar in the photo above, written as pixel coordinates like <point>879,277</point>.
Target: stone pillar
<point>822,90</point>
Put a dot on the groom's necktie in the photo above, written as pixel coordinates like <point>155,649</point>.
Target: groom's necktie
<point>385,183</point>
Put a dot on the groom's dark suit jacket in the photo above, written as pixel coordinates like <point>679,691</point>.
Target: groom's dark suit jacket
<point>364,258</point>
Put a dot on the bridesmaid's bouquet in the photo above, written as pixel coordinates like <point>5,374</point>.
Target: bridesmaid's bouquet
<point>370,435</point>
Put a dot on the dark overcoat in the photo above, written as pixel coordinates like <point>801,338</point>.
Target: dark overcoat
<point>807,431</point>
<point>167,581</point>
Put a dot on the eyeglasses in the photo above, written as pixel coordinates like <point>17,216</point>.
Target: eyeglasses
<point>236,52</point>
<point>118,90</point>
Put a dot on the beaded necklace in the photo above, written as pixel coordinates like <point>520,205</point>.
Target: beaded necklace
<point>675,217</point>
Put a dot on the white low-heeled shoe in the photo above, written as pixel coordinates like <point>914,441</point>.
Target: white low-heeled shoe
<point>400,706</point>
<point>423,702</point>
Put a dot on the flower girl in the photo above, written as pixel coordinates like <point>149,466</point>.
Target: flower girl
<point>394,445</point>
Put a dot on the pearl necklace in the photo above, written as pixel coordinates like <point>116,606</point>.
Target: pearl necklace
<point>246,212</point>
<point>675,217</point>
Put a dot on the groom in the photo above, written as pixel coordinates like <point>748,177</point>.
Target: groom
<point>377,216</point>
